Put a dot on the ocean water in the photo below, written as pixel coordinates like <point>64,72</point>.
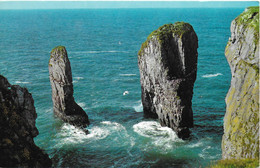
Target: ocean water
<point>102,45</point>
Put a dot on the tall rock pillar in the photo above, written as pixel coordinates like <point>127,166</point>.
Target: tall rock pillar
<point>64,105</point>
<point>168,66</point>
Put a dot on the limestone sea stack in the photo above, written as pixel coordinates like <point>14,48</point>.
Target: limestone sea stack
<point>241,122</point>
<point>168,67</point>
<point>64,105</point>
<point>17,128</point>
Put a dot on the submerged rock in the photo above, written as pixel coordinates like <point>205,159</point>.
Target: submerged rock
<point>168,67</point>
<point>241,122</point>
<point>64,105</point>
<point>17,125</point>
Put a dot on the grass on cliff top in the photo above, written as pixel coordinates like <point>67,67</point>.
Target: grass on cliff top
<point>250,18</point>
<point>164,32</point>
<point>236,163</point>
<point>59,49</point>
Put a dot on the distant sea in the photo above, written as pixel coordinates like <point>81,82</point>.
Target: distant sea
<point>102,46</point>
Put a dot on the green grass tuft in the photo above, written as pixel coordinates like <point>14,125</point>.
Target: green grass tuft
<point>167,31</point>
<point>59,49</point>
<point>250,18</point>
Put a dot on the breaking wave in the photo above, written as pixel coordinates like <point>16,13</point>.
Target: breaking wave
<point>162,137</point>
<point>138,108</point>
<point>70,134</point>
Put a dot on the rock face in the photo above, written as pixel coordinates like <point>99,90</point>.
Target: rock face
<point>241,122</point>
<point>168,66</point>
<point>64,105</point>
<point>17,125</point>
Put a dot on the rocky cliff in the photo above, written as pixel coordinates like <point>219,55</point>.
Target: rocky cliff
<point>241,122</point>
<point>64,105</point>
<point>168,66</point>
<point>17,125</point>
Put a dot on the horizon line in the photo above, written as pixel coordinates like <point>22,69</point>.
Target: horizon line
<point>107,4</point>
<point>128,8</point>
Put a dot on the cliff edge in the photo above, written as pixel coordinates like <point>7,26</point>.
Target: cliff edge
<point>241,122</point>
<point>17,125</point>
<point>167,62</point>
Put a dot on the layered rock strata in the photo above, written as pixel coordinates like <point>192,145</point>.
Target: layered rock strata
<point>17,125</point>
<point>167,62</point>
<point>241,122</point>
<point>64,105</point>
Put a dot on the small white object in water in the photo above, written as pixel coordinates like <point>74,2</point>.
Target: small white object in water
<point>125,93</point>
<point>119,43</point>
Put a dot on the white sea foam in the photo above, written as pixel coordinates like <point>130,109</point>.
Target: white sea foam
<point>127,74</point>
<point>113,126</point>
<point>161,137</point>
<point>121,132</point>
<point>19,82</point>
<point>211,75</point>
<point>195,145</point>
<point>139,108</point>
<point>69,134</point>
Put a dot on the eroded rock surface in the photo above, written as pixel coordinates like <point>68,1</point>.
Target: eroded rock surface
<point>17,125</point>
<point>64,105</point>
<point>241,122</point>
<point>168,66</point>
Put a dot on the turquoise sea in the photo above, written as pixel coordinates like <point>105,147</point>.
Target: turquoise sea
<point>102,45</point>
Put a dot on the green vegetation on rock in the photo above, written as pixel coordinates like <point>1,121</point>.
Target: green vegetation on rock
<point>167,31</point>
<point>250,18</point>
<point>236,163</point>
<point>59,50</point>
